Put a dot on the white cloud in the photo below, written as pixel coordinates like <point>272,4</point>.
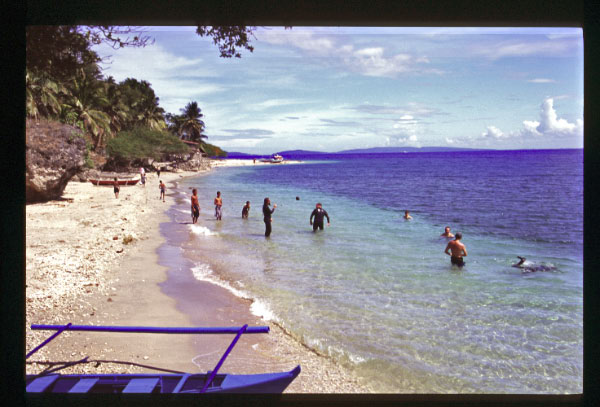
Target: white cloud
<point>541,80</point>
<point>551,125</point>
<point>548,125</point>
<point>553,48</point>
<point>493,132</point>
<point>299,38</point>
<point>369,61</point>
<point>267,104</point>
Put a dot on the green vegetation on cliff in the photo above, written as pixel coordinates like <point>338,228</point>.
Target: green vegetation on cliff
<point>142,143</point>
<point>64,83</point>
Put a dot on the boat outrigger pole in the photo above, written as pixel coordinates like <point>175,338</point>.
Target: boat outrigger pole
<point>160,330</point>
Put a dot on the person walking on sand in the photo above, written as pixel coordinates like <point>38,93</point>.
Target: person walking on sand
<point>116,188</point>
<point>457,249</point>
<point>267,212</point>
<point>246,210</point>
<point>158,172</point>
<point>407,216</point>
<point>218,205</point>
<point>195,206</point>
<point>162,188</point>
<point>318,213</point>
<point>447,232</point>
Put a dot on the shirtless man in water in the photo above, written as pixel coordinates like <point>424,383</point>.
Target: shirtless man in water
<point>447,232</point>
<point>218,206</point>
<point>195,206</point>
<point>458,250</point>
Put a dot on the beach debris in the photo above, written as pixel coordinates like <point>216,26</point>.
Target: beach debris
<point>109,300</point>
<point>115,237</point>
<point>128,239</point>
<point>120,251</point>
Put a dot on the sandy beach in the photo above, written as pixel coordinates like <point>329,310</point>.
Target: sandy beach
<point>92,259</point>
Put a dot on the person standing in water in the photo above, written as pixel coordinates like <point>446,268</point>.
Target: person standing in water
<point>246,210</point>
<point>267,212</point>
<point>218,205</point>
<point>116,188</point>
<point>457,249</point>
<point>195,206</point>
<point>162,188</point>
<point>318,213</point>
<point>447,232</point>
<point>407,216</point>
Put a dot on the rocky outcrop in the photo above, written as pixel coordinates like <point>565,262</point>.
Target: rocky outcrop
<point>195,162</point>
<point>54,154</point>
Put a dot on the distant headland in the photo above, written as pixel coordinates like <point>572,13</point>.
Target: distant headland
<point>375,150</point>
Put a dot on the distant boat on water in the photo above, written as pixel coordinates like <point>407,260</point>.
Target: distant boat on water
<point>275,159</point>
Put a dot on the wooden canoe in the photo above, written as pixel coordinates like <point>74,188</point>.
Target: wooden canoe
<point>112,181</point>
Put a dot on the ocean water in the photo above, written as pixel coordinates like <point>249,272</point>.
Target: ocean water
<point>378,294</point>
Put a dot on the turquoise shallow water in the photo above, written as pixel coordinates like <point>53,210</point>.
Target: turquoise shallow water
<point>377,292</point>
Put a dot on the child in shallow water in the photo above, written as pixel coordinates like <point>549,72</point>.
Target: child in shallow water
<point>162,190</point>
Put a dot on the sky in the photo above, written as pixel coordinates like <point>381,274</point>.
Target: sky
<point>338,88</point>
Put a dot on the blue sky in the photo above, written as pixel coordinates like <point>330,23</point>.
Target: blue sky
<point>336,88</point>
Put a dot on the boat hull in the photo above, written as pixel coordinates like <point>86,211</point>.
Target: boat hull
<point>112,182</point>
<point>160,383</point>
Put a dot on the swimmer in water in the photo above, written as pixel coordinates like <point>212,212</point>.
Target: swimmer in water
<point>458,250</point>
<point>407,216</point>
<point>447,232</point>
<point>530,267</point>
<point>246,210</point>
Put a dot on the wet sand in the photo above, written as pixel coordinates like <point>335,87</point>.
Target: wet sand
<point>77,272</point>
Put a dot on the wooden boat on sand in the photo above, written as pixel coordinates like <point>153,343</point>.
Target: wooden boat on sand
<point>173,382</point>
<point>112,181</point>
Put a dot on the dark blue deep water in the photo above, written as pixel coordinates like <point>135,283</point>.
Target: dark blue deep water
<point>378,294</point>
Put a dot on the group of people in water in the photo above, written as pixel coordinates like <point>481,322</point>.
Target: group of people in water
<point>455,248</point>
<point>318,214</point>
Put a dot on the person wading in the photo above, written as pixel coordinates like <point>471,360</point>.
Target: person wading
<point>267,212</point>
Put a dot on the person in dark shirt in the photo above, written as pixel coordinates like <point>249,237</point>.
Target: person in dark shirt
<point>267,212</point>
<point>245,210</point>
<point>318,213</point>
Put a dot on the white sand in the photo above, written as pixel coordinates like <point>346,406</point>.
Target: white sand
<point>76,271</point>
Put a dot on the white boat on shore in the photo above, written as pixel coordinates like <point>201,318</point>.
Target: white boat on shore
<point>275,159</point>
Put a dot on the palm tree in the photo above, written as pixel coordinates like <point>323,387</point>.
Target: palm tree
<point>87,102</point>
<point>143,105</point>
<point>117,111</point>
<point>42,96</point>
<point>191,125</point>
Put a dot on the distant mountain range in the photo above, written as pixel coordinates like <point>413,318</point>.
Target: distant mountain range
<point>375,150</point>
<point>381,150</point>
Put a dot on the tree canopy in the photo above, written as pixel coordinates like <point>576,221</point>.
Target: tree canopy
<point>64,81</point>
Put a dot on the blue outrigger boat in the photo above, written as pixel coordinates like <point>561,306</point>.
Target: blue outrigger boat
<point>174,382</point>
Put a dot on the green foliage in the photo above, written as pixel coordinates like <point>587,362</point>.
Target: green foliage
<point>227,38</point>
<point>65,83</point>
<point>144,143</point>
<point>213,151</point>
